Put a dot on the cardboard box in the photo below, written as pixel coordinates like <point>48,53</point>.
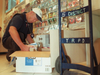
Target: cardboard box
<point>33,62</point>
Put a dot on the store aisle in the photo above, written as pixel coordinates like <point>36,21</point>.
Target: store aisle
<point>5,69</point>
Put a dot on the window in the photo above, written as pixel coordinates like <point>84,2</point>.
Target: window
<point>11,4</point>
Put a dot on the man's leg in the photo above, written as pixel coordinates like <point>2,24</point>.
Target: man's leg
<point>12,46</point>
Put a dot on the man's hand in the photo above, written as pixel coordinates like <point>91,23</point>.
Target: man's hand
<point>26,47</point>
<point>29,39</point>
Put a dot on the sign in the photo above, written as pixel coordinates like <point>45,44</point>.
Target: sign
<point>33,61</point>
<point>75,12</point>
<point>28,62</point>
<point>76,40</point>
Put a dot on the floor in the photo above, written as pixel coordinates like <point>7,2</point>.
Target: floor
<point>5,69</point>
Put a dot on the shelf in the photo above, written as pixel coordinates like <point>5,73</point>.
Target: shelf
<point>77,25</point>
<point>96,12</point>
<point>96,7</point>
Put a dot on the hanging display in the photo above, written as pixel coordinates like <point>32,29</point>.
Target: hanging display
<point>17,2</point>
<point>79,18</point>
<point>72,20</point>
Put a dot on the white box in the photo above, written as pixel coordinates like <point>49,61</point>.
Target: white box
<point>33,65</point>
<point>33,62</point>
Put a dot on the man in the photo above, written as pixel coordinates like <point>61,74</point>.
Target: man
<point>18,30</point>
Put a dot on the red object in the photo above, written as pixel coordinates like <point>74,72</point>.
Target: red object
<point>78,19</point>
<point>0,28</point>
<point>40,24</point>
<point>70,4</point>
<point>75,3</point>
<point>72,20</point>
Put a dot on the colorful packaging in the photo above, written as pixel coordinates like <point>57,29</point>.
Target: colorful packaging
<point>64,19</point>
<point>71,20</point>
<point>43,23</point>
<point>38,1</point>
<point>50,15</point>
<point>42,28</point>
<point>50,21</point>
<point>75,3</point>
<point>79,18</point>
<point>50,9</point>
<point>54,20</point>
<point>54,7</point>
<point>55,14</point>
<point>64,25</point>
<point>40,24</point>
<point>37,25</point>
<point>70,4</point>
<point>64,3</point>
<point>46,23</point>
<point>46,16</point>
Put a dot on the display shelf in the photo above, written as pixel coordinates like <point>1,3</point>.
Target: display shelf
<point>50,6</point>
<point>96,7</point>
<point>77,25</point>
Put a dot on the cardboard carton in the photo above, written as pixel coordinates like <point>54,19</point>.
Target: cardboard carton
<point>33,62</point>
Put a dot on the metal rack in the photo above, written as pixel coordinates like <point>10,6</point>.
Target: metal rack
<point>87,40</point>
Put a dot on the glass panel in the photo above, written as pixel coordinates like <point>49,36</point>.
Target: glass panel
<point>13,3</point>
<point>8,5</point>
<point>21,0</point>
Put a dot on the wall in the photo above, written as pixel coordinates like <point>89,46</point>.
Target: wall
<point>2,49</point>
<point>1,8</point>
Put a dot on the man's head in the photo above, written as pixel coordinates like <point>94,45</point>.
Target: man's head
<point>34,15</point>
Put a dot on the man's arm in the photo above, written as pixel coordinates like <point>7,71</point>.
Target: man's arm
<point>15,36</point>
<point>29,39</point>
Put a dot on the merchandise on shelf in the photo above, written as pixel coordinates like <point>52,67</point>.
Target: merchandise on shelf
<point>63,3</point>
<point>55,14</point>
<point>72,20</point>
<point>64,19</point>
<point>38,1</point>
<point>50,15</point>
<point>50,21</point>
<point>75,3</point>
<point>19,9</point>
<point>54,7</point>
<point>56,27</point>
<point>34,25</point>
<point>79,18</point>
<point>34,30</point>
<point>40,24</point>
<point>37,24</point>
<point>64,9</point>
<point>64,25</point>
<point>51,28</point>
<point>43,23</point>
<point>70,4</point>
<point>42,1</point>
<point>46,23</point>
<point>54,20</point>
<point>42,28</point>
<point>44,17</point>
<point>50,1</point>
<point>50,9</point>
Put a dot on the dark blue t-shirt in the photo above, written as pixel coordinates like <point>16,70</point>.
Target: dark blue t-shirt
<point>20,25</point>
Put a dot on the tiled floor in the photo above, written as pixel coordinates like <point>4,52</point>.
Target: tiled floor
<point>5,69</point>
